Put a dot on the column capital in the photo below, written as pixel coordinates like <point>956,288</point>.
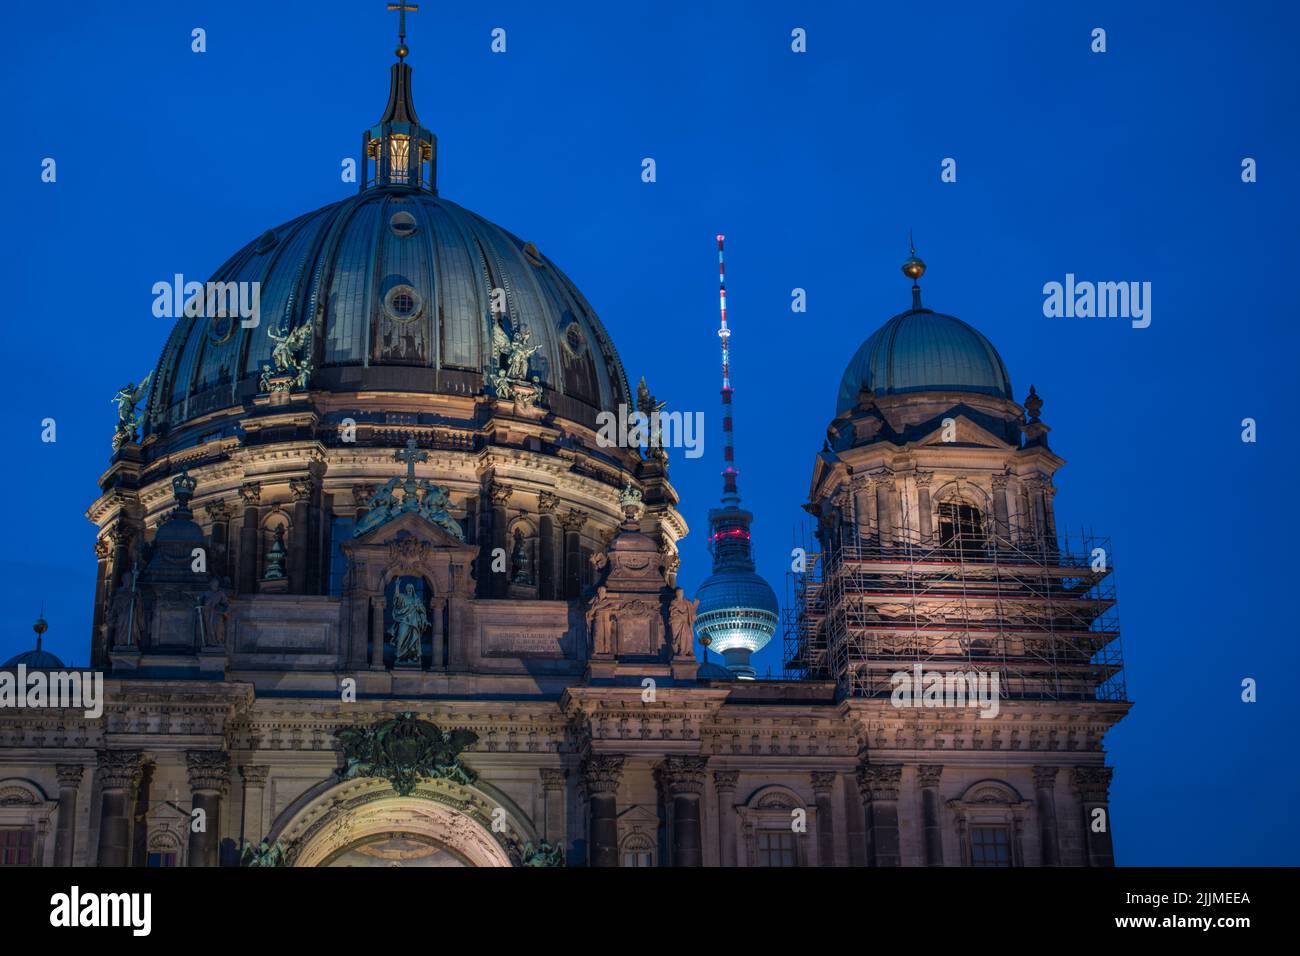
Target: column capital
<point>823,781</point>
<point>217,510</point>
<point>928,774</point>
<point>1092,783</point>
<point>682,776</point>
<point>103,547</point>
<point>500,493</point>
<point>302,488</point>
<point>883,477</point>
<point>1000,481</point>
<point>69,774</point>
<point>880,781</point>
<point>547,502</point>
<point>251,493</point>
<point>254,775</point>
<point>208,769</point>
<point>119,769</point>
<point>923,478</point>
<point>552,778</point>
<point>601,772</point>
<point>361,494</point>
<point>573,520</point>
<point>724,781</point>
<point>1045,777</point>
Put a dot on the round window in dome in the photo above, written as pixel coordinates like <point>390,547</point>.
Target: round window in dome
<point>221,328</point>
<point>403,303</point>
<point>402,224</point>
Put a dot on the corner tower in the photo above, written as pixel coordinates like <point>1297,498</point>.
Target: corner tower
<point>738,609</point>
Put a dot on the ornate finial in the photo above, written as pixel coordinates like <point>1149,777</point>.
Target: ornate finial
<point>402,9</point>
<point>914,268</point>
<point>40,627</point>
<point>1033,404</point>
<point>183,490</point>
<point>630,502</point>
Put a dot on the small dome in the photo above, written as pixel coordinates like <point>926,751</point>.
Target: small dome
<point>711,671</point>
<point>924,351</point>
<point>36,659</point>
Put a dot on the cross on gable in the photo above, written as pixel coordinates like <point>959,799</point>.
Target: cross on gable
<point>411,456</point>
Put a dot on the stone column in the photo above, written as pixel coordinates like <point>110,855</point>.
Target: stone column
<point>864,510</point>
<point>1035,485</point>
<point>377,605</point>
<point>682,779</point>
<point>547,589</point>
<point>251,493</point>
<point>927,776</point>
<point>925,520</point>
<point>1045,796</point>
<point>878,784</point>
<point>1093,787</point>
<point>724,784</point>
<point>254,777</point>
<point>1049,515</point>
<point>209,772</point>
<point>823,784</point>
<point>884,482</point>
<point>218,513</point>
<point>572,523</point>
<point>500,580</point>
<point>1000,511</point>
<point>601,773</point>
<point>119,774</point>
<point>553,809</point>
<point>300,543</point>
<point>65,837</point>
<point>103,594</point>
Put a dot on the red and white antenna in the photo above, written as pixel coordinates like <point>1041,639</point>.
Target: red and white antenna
<point>729,493</point>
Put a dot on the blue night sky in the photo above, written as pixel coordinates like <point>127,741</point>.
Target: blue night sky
<point>1117,166</point>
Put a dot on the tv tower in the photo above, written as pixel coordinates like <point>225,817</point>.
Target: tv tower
<point>738,609</point>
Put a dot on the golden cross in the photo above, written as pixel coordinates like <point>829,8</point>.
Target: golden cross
<point>401,25</point>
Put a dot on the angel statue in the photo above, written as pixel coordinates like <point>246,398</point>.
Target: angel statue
<point>127,398</point>
<point>651,408</point>
<point>287,358</point>
<point>518,353</point>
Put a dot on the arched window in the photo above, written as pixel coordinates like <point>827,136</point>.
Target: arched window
<point>961,528</point>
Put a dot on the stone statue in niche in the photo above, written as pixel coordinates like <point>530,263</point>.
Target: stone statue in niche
<point>681,623</point>
<point>212,610</point>
<point>600,623</point>
<point>519,559</point>
<point>410,621</point>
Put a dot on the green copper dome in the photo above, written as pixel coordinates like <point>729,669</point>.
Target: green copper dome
<point>924,351</point>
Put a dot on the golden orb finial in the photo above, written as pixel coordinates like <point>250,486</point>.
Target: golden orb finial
<point>914,267</point>
<point>40,627</point>
<point>402,50</point>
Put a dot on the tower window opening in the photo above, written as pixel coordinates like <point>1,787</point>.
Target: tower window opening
<point>399,158</point>
<point>961,528</point>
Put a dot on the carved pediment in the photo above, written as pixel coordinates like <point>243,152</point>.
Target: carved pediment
<point>410,524</point>
<point>963,432</point>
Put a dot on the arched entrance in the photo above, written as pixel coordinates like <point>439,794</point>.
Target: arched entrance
<point>365,823</point>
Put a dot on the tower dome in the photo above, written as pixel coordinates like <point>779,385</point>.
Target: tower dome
<point>923,351</point>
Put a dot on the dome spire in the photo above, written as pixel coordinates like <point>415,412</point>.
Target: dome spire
<point>914,268</point>
<point>402,8</point>
<point>398,151</point>
<point>40,627</point>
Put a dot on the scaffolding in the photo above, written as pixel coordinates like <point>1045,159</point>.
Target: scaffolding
<point>1038,613</point>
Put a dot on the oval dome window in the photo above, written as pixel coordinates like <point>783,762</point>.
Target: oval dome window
<point>402,224</point>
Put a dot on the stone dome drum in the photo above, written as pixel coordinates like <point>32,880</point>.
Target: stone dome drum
<point>397,285</point>
<point>924,351</point>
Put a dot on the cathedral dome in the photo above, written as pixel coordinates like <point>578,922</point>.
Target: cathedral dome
<point>924,351</point>
<point>397,285</point>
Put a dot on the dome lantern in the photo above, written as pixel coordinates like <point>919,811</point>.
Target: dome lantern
<point>398,151</point>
